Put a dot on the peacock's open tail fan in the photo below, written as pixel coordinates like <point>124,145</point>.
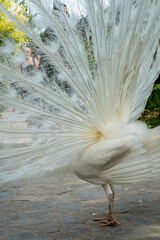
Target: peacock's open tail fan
<point>77,110</point>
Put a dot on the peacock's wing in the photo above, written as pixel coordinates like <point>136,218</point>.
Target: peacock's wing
<point>140,164</point>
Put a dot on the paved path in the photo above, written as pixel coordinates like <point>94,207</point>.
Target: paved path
<point>63,208</point>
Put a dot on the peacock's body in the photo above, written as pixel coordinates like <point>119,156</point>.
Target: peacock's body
<point>91,128</point>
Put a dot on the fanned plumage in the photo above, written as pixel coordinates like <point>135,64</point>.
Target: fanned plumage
<point>64,129</point>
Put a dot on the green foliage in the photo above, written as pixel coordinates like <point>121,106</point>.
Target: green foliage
<point>153,122</point>
<point>7,27</point>
<point>154,99</point>
<point>151,114</point>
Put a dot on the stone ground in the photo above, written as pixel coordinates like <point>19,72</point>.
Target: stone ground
<point>63,208</point>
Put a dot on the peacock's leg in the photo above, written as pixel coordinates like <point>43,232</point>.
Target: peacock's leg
<point>110,219</point>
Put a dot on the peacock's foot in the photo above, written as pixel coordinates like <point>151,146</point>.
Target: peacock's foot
<point>108,221</point>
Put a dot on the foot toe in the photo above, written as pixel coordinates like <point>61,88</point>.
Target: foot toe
<point>109,223</point>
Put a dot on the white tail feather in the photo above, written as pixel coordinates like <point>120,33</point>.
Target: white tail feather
<point>110,91</point>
